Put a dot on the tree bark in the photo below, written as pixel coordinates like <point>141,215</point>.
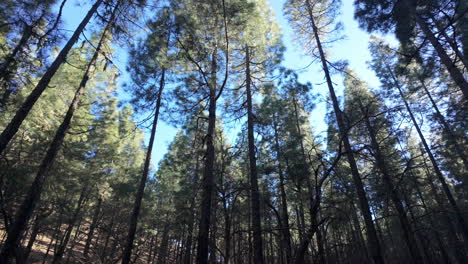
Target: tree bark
<point>33,196</point>
<point>438,172</point>
<point>284,206</point>
<point>141,188</point>
<point>373,242</point>
<point>188,245</point>
<point>4,70</point>
<point>454,72</point>
<point>452,137</point>
<point>255,195</point>
<point>63,245</point>
<point>208,173</point>
<point>92,227</point>
<point>27,105</point>
<point>32,239</point>
<point>391,190</point>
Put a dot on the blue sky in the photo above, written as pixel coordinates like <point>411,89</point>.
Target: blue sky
<point>353,49</point>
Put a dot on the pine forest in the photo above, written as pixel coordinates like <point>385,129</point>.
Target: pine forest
<point>234,131</point>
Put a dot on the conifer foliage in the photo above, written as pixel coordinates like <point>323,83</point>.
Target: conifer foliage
<point>247,177</point>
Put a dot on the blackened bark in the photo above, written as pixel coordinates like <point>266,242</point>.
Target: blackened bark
<point>141,188</point>
<point>373,241</point>
<point>27,105</point>
<point>255,195</point>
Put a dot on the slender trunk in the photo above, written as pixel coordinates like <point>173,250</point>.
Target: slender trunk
<point>454,242</point>
<point>4,70</point>
<point>208,173</point>
<point>452,138</point>
<point>321,250</point>
<point>27,105</point>
<point>188,244</point>
<point>27,32</point>
<point>110,233</point>
<point>63,246</point>
<point>33,196</point>
<point>32,239</point>
<point>408,234</point>
<point>92,227</point>
<point>452,42</point>
<point>438,172</point>
<point>454,72</point>
<point>314,203</point>
<point>373,242</point>
<point>150,249</point>
<point>255,195</point>
<point>74,240</point>
<point>163,247</point>
<point>144,176</point>
<point>55,237</point>
<point>214,228</point>
<point>227,234</point>
<point>284,206</point>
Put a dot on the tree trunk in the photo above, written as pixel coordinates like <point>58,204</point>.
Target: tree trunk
<point>162,252</point>
<point>438,172</point>
<point>27,105</point>
<point>454,72</point>
<point>32,239</point>
<point>27,32</point>
<point>93,225</point>
<point>255,195</point>
<point>141,188</point>
<point>373,242</point>
<point>452,137</point>
<point>33,196</point>
<point>408,234</point>
<point>63,245</point>
<point>227,233</point>
<point>208,174</point>
<point>284,206</point>
<point>4,70</point>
